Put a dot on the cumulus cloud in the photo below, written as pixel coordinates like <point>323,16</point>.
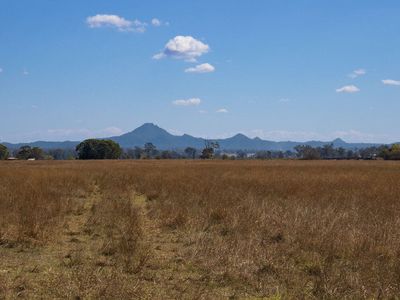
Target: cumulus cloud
<point>348,89</point>
<point>115,21</point>
<point>183,47</point>
<point>222,110</point>
<point>391,82</point>
<point>108,20</point>
<point>357,73</point>
<point>187,102</point>
<point>203,68</point>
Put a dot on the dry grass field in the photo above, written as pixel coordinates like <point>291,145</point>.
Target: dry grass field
<point>200,230</point>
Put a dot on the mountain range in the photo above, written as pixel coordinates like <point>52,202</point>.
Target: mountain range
<point>164,140</point>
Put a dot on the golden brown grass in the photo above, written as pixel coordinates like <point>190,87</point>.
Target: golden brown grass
<point>191,229</point>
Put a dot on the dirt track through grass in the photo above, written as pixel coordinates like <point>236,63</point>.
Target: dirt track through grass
<point>165,274</point>
<point>168,274</point>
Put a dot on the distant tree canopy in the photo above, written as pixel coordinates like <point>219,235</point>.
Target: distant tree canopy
<point>307,152</point>
<point>209,149</point>
<point>3,152</point>
<point>62,154</point>
<point>27,152</point>
<point>392,153</point>
<point>98,149</point>
<point>190,152</point>
<point>150,150</point>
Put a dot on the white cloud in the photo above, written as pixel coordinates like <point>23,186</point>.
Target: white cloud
<point>25,72</point>
<point>284,100</point>
<point>112,130</point>
<point>284,135</point>
<point>348,89</point>
<point>351,135</point>
<point>1,70</point>
<point>117,22</point>
<point>84,132</point>
<point>391,82</point>
<point>159,56</point>
<point>203,68</point>
<point>357,73</point>
<point>139,26</point>
<point>63,134</point>
<point>187,102</point>
<point>183,47</point>
<point>156,22</point>
<point>222,110</point>
<point>358,136</point>
<point>108,20</point>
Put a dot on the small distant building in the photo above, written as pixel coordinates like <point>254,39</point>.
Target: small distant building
<point>12,158</point>
<point>31,159</point>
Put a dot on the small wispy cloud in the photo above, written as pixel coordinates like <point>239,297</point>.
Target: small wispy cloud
<point>350,89</point>
<point>222,111</point>
<point>357,73</point>
<point>25,72</point>
<point>66,132</point>
<point>1,70</point>
<point>187,102</point>
<point>203,68</point>
<point>157,22</point>
<point>117,22</point>
<point>139,26</point>
<point>183,47</point>
<point>284,100</point>
<point>391,82</point>
<point>203,111</point>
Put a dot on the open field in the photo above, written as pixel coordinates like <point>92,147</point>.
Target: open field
<point>200,230</point>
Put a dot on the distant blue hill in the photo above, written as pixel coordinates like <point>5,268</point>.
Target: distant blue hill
<point>162,139</point>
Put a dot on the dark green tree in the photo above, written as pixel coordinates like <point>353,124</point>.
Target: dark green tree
<point>392,153</point>
<point>209,149</point>
<point>98,149</point>
<point>25,152</point>
<point>150,150</point>
<point>37,153</point>
<point>190,152</point>
<point>3,152</point>
<point>307,152</point>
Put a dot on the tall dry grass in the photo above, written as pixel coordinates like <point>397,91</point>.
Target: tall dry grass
<point>35,198</point>
<point>290,228</point>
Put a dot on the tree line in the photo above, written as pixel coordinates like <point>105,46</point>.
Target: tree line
<point>107,149</point>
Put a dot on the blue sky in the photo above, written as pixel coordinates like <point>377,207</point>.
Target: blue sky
<point>278,69</point>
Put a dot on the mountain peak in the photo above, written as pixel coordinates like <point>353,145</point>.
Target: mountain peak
<point>338,141</point>
<point>240,136</point>
<point>146,131</point>
<point>148,125</point>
